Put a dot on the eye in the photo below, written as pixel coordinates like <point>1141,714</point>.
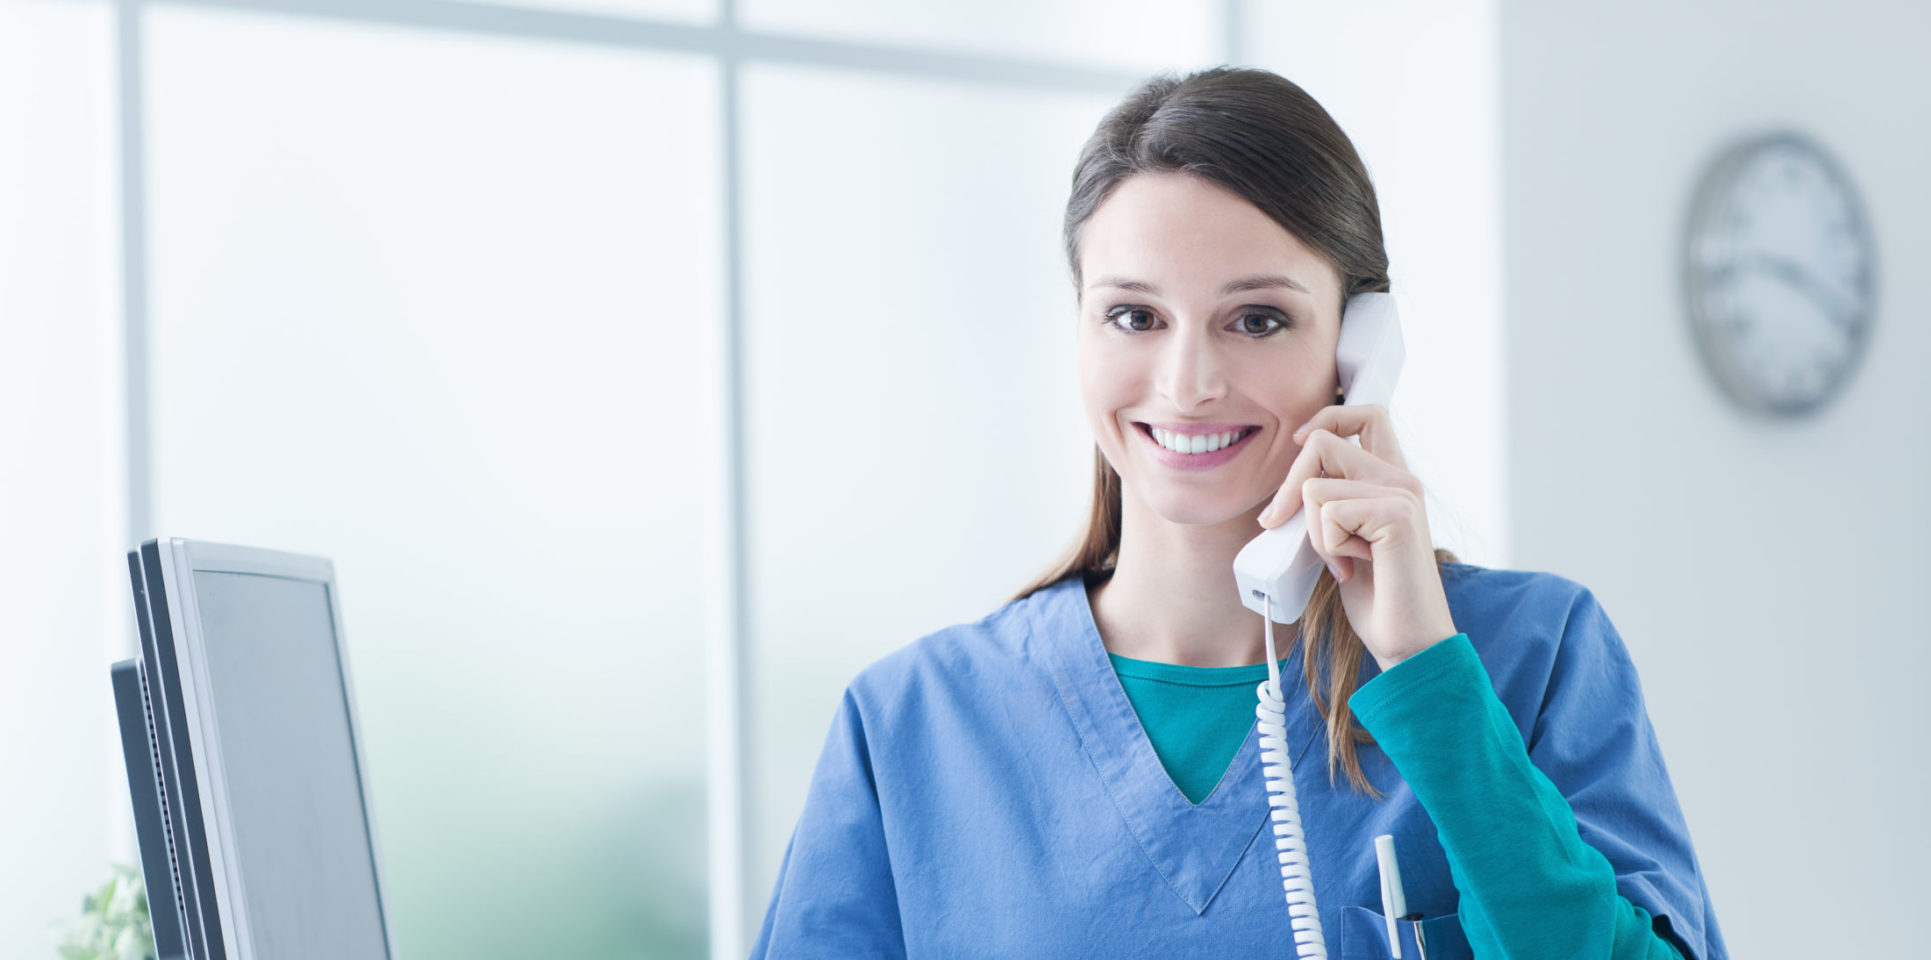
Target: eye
<point>1279,320</point>
<point>1128,311</point>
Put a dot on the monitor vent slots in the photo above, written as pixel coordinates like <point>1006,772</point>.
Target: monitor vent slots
<point>161,789</point>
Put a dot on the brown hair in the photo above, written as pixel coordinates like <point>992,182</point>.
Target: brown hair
<point>1262,137</point>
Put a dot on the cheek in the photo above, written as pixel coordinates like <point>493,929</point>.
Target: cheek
<point>1297,387</point>
<point>1106,387</point>
<point>1102,414</point>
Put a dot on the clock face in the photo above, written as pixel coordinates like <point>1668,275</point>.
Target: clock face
<point>1780,273</point>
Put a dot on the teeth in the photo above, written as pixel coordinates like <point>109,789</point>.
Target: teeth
<point>1204,443</point>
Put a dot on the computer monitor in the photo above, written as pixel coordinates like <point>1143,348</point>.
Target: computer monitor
<point>251,800</point>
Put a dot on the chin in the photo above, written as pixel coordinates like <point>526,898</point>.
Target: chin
<point>1177,507</point>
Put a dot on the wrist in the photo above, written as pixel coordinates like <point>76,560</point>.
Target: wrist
<point>1388,662</point>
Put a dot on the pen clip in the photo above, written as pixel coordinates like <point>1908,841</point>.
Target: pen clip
<point>1421,943</point>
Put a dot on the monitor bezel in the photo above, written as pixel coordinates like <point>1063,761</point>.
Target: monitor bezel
<point>180,561</point>
<point>134,714</point>
<point>197,894</point>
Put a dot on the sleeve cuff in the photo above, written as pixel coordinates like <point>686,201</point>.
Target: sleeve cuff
<point>1449,659</point>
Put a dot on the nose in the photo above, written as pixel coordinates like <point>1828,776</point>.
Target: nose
<point>1190,371</point>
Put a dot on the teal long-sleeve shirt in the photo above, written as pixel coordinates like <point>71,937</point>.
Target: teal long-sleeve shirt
<point>1528,884</point>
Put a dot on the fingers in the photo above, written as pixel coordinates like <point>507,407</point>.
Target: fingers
<point>1328,523</point>
<point>1327,455</point>
<point>1344,528</point>
<point>1351,525</point>
<point>1367,420</point>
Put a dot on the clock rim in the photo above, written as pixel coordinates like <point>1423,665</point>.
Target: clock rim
<point>1719,179</point>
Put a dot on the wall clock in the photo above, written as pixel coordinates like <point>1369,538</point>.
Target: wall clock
<point>1780,272</point>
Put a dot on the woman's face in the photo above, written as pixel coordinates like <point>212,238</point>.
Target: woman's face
<point>1201,315</point>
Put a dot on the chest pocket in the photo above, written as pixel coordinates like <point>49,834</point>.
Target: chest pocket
<point>1364,936</point>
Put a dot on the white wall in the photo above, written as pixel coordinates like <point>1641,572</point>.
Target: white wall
<point>1763,573</point>
<point>64,601</point>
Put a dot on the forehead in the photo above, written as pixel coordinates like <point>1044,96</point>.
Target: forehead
<point>1183,232</point>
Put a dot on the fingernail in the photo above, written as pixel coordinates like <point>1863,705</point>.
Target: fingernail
<point>1334,569</point>
<point>1302,429</point>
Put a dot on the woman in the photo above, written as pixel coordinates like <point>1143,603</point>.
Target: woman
<point>1078,773</point>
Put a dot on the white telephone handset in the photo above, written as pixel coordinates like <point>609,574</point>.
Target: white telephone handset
<point>1277,572</point>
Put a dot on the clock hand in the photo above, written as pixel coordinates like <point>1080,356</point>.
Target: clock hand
<point>1792,273</point>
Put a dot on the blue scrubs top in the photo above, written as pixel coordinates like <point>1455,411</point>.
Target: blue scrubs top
<point>989,791</point>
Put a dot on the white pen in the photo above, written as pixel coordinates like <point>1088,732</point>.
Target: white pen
<point>1394,903</point>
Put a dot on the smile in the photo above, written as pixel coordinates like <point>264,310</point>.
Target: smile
<point>1214,448</point>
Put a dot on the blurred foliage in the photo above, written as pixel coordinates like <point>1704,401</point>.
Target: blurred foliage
<point>114,922</point>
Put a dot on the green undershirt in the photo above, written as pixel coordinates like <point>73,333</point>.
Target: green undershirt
<point>1196,717</point>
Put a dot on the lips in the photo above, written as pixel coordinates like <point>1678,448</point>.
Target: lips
<point>1195,429</point>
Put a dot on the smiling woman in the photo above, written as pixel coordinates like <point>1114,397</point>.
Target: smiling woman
<point>1206,299</point>
<point>1078,772</point>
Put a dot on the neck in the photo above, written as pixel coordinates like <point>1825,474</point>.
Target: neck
<point>1172,596</point>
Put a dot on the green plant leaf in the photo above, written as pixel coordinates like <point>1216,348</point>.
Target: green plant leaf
<point>114,922</point>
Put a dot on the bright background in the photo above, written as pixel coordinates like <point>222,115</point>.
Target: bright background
<point>649,367</point>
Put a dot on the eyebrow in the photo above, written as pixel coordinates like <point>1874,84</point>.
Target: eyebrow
<point>1259,281</point>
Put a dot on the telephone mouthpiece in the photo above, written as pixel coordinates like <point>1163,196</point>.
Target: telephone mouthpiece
<point>1277,571</point>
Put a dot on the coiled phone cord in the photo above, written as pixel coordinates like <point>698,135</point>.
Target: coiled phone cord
<point>1289,841</point>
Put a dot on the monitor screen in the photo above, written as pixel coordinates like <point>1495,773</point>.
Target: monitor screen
<point>294,793</point>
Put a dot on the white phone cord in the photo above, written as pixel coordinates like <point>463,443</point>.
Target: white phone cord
<point>1289,840</point>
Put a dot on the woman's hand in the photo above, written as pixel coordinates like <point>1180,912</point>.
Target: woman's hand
<point>1366,519</point>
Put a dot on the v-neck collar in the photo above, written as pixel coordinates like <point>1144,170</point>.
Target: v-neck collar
<point>1195,847</point>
